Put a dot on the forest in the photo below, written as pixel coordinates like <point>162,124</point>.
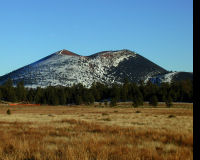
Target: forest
<point>181,91</point>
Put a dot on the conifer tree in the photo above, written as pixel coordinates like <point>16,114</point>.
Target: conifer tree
<point>113,102</point>
<point>21,91</point>
<point>137,97</point>
<point>0,94</point>
<point>137,101</point>
<point>142,89</point>
<point>52,96</point>
<point>9,92</point>
<point>124,90</point>
<point>31,95</point>
<point>54,100</point>
<point>153,100</point>
<point>90,98</point>
<point>115,92</point>
<point>151,89</point>
<point>62,96</point>
<point>95,92</point>
<point>78,100</point>
<point>38,95</point>
<point>168,101</point>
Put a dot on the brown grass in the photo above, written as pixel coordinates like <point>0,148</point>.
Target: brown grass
<point>88,133</point>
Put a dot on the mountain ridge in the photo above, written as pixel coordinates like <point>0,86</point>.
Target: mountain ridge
<point>65,68</point>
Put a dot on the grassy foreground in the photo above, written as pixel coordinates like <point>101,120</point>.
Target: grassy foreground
<point>92,133</point>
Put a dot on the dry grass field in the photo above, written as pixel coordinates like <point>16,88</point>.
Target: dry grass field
<point>94,133</point>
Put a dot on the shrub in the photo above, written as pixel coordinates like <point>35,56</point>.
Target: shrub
<point>113,102</point>
<point>106,119</point>
<point>105,103</point>
<point>168,102</point>
<point>137,102</point>
<point>171,116</point>
<point>105,114</point>
<point>8,112</point>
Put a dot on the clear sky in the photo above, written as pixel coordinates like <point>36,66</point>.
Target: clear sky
<point>160,30</point>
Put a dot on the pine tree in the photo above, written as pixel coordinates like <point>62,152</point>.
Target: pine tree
<point>62,96</point>
<point>38,96</point>
<point>124,90</point>
<point>90,98</point>
<point>9,92</point>
<point>21,91</point>
<point>31,95</point>
<point>95,92</point>
<point>137,100</point>
<point>150,89</point>
<point>51,95</point>
<point>115,92</point>
<point>168,101</point>
<point>142,89</point>
<point>137,96</point>
<point>153,101</point>
<point>54,100</point>
<point>113,102</point>
<point>0,95</point>
<point>78,100</point>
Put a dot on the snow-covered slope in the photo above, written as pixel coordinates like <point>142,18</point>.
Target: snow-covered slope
<point>163,77</point>
<point>170,77</point>
<point>66,68</point>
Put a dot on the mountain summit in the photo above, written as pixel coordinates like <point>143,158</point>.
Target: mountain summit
<point>65,68</point>
<point>66,52</point>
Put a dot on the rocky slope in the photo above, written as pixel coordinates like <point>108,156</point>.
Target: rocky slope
<point>66,68</point>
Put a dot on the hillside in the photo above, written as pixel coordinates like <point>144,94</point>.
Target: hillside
<point>66,68</point>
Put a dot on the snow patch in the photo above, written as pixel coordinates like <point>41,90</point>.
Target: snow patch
<point>168,77</point>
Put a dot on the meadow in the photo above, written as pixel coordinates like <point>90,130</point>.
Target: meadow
<point>96,132</point>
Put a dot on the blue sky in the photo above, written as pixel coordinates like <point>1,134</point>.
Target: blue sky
<point>160,30</point>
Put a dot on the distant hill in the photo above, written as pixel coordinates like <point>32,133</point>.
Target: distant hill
<point>65,68</point>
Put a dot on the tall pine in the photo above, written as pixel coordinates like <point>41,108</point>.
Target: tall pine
<point>9,91</point>
<point>21,91</point>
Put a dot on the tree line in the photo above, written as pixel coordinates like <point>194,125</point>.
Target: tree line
<point>181,91</point>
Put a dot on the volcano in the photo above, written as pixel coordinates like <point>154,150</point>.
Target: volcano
<point>65,68</point>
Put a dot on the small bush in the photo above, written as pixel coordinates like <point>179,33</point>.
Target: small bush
<point>106,119</point>
<point>113,102</point>
<point>169,104</point>
<point>8,112</point>
<point>171,116</point>
<point>105,103</point>
<point>137,102</point>
<point>138,112</point>
<point>51,115</point>
<point>105,114</point>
